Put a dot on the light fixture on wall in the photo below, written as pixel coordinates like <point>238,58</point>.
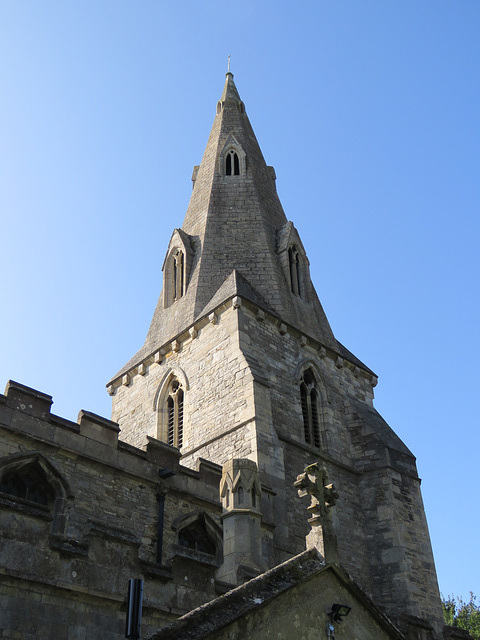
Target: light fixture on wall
<point>338,612</point>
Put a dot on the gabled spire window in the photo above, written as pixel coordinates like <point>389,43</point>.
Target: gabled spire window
<point>232,164</point>
<point>174,414</point>
<point>310,399</point>
<point>232,160</point>
<point>178,275</point>
<point>175,277</point>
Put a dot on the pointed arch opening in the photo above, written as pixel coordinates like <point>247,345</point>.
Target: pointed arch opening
<point>232,164</point>
<point>198,537</point>
<point>294,264</point>
<point>310,399</point>
<point>174,277</point>
<point>170,407</point>
<point>294,261</point>
<point>176,266</point>
<point>31,484</point>
<point>173,407</point>
<point>232,158</point>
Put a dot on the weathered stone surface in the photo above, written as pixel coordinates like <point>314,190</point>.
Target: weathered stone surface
<point>291,601</point>
<point>239,363</point>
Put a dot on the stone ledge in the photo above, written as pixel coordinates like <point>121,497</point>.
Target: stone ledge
<point>25,506</point>
<point>119,535</point>
<point>191,555</point>
<point>68,546</point>
<point>56,584</point>
<point>157,571</point>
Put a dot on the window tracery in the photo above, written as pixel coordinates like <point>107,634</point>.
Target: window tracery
<point>232,163</point>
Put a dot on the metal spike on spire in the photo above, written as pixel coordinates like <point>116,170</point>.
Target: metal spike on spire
<point>228,69</point>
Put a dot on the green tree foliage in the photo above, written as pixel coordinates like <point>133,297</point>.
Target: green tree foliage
<point>464,615</point>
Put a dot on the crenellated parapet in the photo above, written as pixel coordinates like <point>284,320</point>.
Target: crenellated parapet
<point>81,512</point>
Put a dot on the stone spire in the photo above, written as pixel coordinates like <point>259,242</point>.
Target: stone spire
<point>235,222</point>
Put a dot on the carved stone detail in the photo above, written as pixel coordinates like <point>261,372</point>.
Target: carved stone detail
<point>313,482</point>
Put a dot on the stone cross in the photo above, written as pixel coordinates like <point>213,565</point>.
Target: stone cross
<point>313,482</point>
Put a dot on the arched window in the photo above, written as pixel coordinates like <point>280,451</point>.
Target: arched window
<point>175,277</point>
<point>196,537</point>
<point>29,483</point>
<point>174,413</point>
<point>178,275</point>
<point>198,533</point>
<point>294,266</point>
<point>309,397</point>
<point>232,164</point>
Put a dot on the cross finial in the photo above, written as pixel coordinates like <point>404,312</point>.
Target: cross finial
<point>313,482</point>
<point>229,64</point>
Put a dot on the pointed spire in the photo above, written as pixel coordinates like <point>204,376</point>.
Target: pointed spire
<point>235,222</point>
<point>230,92</point>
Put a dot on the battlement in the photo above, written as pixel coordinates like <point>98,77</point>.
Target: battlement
<point>26,411</point>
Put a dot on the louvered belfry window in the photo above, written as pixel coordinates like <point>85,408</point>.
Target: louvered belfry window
<point>309,398</point>
<point>174,411</point>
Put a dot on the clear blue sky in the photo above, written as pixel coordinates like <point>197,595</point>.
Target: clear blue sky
<point>369,112</point>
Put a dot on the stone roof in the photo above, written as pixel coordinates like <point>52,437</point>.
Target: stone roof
<point>213,616</point>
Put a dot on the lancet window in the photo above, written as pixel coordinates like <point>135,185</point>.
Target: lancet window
<point>175,277</point>
<point>174,414</point>
<point>310,399</point>
<point>294,267</point>
<point>232,163</point>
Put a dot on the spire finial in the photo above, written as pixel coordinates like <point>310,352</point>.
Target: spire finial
<point>228,69</point>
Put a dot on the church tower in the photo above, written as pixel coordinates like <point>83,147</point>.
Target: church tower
<point>240,364</point>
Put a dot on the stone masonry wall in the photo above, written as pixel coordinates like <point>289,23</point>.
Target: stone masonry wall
<point>282,354</point>
<point>65,566</point>
<point>218,397</point>
<point>243,368</point>
<point>382,535</point>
